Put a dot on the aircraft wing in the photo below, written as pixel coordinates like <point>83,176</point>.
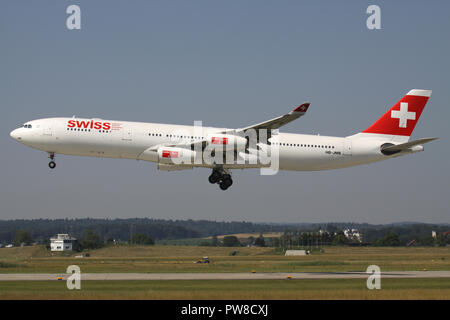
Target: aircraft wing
<point>391,149</point>
<point>270,124</point>
<point>280,121</point>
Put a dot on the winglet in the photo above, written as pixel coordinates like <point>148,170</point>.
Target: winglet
<point>302,108</point>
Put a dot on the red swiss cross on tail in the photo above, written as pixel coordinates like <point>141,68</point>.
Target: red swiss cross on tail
<point>302,108</point>
<point>401,119</point>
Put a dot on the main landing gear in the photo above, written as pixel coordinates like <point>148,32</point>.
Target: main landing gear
<point>221,177</point>
<point>52,163</point>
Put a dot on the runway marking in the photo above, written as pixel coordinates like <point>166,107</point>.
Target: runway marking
<point>220,276</point>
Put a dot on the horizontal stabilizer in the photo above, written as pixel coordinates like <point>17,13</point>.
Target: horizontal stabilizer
<point>389,149</point>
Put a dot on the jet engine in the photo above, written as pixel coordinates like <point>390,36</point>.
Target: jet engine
<point>172,155</point>
<point>229,142</point>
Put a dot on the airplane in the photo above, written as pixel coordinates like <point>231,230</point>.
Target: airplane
<point>177,147</point>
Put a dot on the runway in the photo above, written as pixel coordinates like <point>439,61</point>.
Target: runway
<point>220,276</point>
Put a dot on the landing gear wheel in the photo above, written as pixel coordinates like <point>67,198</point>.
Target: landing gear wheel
<point>214,177</point>
<point>52,163</point>
<point>226,183</point>
<point>222,177</point>
<point>223,186</point>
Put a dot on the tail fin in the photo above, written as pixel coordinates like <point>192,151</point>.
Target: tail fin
<point>402,118</point>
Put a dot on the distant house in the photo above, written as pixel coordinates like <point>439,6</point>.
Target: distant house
<point>353,235</point>
<point>62,242</point>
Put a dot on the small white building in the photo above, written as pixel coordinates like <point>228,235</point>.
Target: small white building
<point>62,242</point>
<point>296,253</point>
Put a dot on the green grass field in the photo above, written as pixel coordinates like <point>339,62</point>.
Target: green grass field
<point>158,259</point>
<point>182,258</point>
<point>230,290</point>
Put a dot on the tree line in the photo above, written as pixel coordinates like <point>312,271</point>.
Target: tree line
<point>96,232</point>
<point>122,230</point>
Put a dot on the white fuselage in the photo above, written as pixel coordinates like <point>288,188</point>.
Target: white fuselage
<point>130,140</point>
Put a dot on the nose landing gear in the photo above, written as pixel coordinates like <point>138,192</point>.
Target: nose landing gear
<point>52,164</point>
<point>221,177</point>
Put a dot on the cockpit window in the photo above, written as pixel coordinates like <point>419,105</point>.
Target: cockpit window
<point>27,126</point>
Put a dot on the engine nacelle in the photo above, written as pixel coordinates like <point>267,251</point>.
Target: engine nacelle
<point>171,155</point>
<point>227,141</point>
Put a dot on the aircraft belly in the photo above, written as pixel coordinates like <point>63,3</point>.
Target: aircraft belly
<point>307,160</point>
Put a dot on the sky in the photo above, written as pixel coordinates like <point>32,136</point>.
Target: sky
<point>228,64</point>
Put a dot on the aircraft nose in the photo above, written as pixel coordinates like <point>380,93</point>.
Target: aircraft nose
<point>14,134</point>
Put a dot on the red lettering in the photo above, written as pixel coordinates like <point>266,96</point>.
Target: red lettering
<point>83,124</point>
<point>219,140</point>
<point>89,124</point>
<point>169,154</point>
